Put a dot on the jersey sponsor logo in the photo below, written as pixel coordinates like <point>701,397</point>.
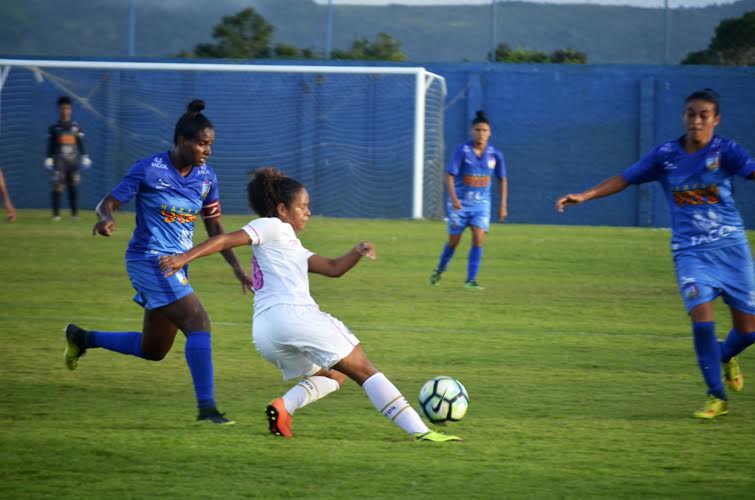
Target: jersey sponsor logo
<point>713,163</point>
<point>477,181</point>
<point>161,184</point>
<point>159,163</point>
<point>66,138</point>
<point>180,215</point>
<point>703,195</point>
<point>711,229</point>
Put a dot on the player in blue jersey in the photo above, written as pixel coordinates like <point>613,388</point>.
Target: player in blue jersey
<point>708,241</point>
<point>468,205</point>
<point>171,189</point>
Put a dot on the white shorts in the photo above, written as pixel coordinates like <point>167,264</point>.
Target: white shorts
<point>300,340</point>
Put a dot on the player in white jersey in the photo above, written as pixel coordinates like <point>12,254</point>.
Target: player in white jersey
<point>289,330</point>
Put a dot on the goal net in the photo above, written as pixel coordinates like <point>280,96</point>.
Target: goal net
<point>366,141</point>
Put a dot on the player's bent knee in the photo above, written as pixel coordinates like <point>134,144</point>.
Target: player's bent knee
<point>154,355</point>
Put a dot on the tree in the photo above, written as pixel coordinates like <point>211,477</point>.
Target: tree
<point>384,48</point>
<point>246,35</point>
<point>733,44</point>
<point>504,53</point>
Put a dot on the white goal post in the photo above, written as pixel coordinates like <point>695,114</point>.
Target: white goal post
<point>423,80</point>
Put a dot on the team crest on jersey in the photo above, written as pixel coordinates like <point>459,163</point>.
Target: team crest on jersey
<point>206,186</point>
<point>181,277</point>
<point>491,162</point>
<point>691,291</point>
<point>158,163</point>
<point>713,163</point>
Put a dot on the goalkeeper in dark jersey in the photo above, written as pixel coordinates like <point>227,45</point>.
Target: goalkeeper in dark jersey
<point>65,152</point>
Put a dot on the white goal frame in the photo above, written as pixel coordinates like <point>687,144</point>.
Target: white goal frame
<point>423,80</point>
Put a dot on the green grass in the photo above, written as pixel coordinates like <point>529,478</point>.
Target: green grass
<point>577,358</point>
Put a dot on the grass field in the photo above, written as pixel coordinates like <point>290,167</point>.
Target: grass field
<point>577,357</point>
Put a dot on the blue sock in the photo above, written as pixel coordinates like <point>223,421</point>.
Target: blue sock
<point>473,264</point>
<point>709,356</point>
<point>122,342</point>
<point>735,343</point>
<point>445,257</point>
<point>199,358</point>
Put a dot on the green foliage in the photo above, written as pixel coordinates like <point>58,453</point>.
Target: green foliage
<point>287,51</point>
<point>384,48</point>
<point>504,53</point>
<point>732,45</point>
<point>246,35</point>
<point>577,357</point>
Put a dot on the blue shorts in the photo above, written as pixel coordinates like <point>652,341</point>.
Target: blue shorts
<point>704,275</point>
<point>153,290</point>
<point>459,220</point>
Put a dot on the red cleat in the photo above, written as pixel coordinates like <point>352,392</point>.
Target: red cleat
<point>279,419</point>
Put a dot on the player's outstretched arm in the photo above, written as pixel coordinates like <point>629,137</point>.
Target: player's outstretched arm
<point>215,228</point>
<point>170,264</point>
<point>105,223</point>
<point>334,268</point>
<point>608,187</point>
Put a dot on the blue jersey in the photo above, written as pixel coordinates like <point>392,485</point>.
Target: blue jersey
<point>167,204</point>
<point>698,189</point>
<point>472,174</point>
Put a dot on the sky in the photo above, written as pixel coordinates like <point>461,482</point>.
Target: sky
<point>638,3</point>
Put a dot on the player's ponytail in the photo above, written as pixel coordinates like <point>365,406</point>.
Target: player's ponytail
<point>480,117</point>
<point>192,122</point>
<point>268,187</point>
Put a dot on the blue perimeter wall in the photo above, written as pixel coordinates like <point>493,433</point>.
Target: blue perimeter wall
<point>562,128</point>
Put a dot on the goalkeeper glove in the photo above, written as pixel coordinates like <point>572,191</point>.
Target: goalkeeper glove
<point>49,163</point>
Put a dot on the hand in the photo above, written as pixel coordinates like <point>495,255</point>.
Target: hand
<point>171,264</point>
<point>105,227</point>
<point>456,204</point>
<point>86,162</point>
<point>245,279</point>
<point>11,213</point>
<point>366,249</point>
<point>49,163</point>
<point>569,199</point>
<point>502,214</point>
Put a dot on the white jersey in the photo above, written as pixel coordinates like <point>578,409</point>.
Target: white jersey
<point>280,265</point>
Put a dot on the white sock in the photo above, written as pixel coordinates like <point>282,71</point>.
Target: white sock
<point>389,401</point>
<point>307,391</point>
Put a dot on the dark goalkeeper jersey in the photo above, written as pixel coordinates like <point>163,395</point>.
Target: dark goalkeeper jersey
<point>65,141</point>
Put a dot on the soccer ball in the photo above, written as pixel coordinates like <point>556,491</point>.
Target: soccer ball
<point>443,399</point>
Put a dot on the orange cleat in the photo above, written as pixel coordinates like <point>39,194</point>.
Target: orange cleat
<point>279,419</point>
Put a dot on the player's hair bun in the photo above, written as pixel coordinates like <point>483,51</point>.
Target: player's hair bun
<point>480,117</point>
<point>195,106</point>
